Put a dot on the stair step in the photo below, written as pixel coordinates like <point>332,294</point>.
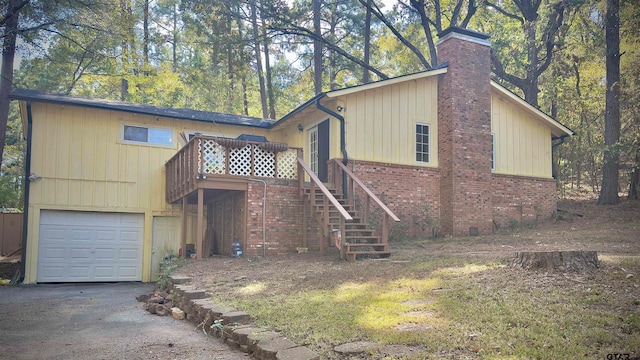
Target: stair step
<point>320,202</point>
<point>356,226</point>
<point>361,247</point>
<point>358,232</point>
<point>360,237</point>
<point>332,208</point>
<point>336,219</point>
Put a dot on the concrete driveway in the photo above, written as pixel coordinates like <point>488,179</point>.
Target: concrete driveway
<point>96,321</point>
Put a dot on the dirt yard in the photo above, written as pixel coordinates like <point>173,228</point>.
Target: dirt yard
<point>459,293</point>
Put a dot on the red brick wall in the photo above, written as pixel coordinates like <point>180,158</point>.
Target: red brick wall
<point>464,135</point>
<point>283,218</point>
<point>522,199</point>
<point>411,192</point>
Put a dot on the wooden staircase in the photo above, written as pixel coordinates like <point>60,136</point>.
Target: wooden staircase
<point>359,240</point>
<point>340,223</point>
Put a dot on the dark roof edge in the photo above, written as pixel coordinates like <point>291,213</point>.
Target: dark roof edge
<point>463,31</point>
<point>298,109</point>
<point>185,114</point>
<point>535,107</point>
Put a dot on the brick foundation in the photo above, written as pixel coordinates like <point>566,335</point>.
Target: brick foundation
<point>411,192</point>
<point>283,218</point>
<point>522,199</point>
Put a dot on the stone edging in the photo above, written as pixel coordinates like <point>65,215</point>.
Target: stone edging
<point>235,326</point>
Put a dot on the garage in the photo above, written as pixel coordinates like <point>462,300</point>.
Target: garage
<point>82,246</point>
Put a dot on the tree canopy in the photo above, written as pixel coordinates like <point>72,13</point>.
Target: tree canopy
<point>259,57</point>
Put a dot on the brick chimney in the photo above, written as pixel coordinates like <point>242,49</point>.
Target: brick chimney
<point>464,133</point>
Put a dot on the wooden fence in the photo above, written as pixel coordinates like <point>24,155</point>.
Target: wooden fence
<point>11,232</point>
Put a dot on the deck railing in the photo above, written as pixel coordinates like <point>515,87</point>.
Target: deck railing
<point>208,156</point>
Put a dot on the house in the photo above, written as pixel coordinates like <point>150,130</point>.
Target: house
<point>115,186</point>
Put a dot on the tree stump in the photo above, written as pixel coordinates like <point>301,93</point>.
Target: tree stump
<point>557,261</point>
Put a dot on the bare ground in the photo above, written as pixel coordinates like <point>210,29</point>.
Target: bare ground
<point>612,231</point>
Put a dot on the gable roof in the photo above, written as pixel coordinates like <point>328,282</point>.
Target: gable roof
<point>386,82</point>
<point>362,87</point>
<point>181,114</point>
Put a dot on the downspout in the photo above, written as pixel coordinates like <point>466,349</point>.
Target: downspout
<point>264,216</point>
<point>562,139</point>
<point>27,173</point>
<point>343,147</point>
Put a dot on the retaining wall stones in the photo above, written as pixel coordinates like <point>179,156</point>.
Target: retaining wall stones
<point>234,327</point>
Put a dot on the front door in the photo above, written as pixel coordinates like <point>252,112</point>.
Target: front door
<point>319,149</point>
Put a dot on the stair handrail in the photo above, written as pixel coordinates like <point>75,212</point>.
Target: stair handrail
<point>364,188</point>
<point>316,181</point>
<point>327,198</point>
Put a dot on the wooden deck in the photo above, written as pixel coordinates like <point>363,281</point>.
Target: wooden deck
<point>226,164</point>
<point>208,166</point>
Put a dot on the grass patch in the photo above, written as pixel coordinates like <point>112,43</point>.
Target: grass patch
<point>450,306</point>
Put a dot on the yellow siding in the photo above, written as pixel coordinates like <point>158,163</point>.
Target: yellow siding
<point>523,144</point>
<point>380,122</point>
<point>84,166</point>
<point>82,161</point>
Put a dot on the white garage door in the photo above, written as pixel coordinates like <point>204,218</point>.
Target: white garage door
<point>79,246</point>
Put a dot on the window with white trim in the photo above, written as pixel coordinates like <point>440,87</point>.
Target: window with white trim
<point>422,143</point>
<point>147,135</point>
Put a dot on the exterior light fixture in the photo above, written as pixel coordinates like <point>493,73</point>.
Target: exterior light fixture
<point>340,108</point>
<point>300,128</point>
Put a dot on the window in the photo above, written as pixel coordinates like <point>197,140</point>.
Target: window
<point>422,143</point>
<point>493,152</point>
<point>313,149</point>
<point>147,135</point>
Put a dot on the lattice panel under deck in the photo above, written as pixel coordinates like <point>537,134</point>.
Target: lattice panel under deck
<point>214,157</point>
<point>264,163</point>
<point>240,161</point>
<point>287,168</point>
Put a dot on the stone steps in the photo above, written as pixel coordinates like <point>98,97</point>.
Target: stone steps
<point>234,327</point>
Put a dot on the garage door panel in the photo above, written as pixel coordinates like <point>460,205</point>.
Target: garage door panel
<point>54,253</point>
<point>127,271</point>
<point>82,234</point>
<point>129,236</point>
<point>55,272</point>
<point>53,232</point>
<point>106,235</point>
<point>105,254</point>
<point>89,246</point>
<point>80,253</point>
<point>103,272</point>
<point>129,254</point>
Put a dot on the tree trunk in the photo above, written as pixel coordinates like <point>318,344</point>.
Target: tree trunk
<point>333,68</point>
<point>610,170</point>
<point>245,99</point>
<point>174,34</point>
<point>317,48</point>
<point>145,38</point>
<point>557,261</point>
<point>6,73</point>
<point>230,68</point>
<point>367,43</point>
<point>267,66</point>
<point>256,43</point>
<point>634,184</point>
